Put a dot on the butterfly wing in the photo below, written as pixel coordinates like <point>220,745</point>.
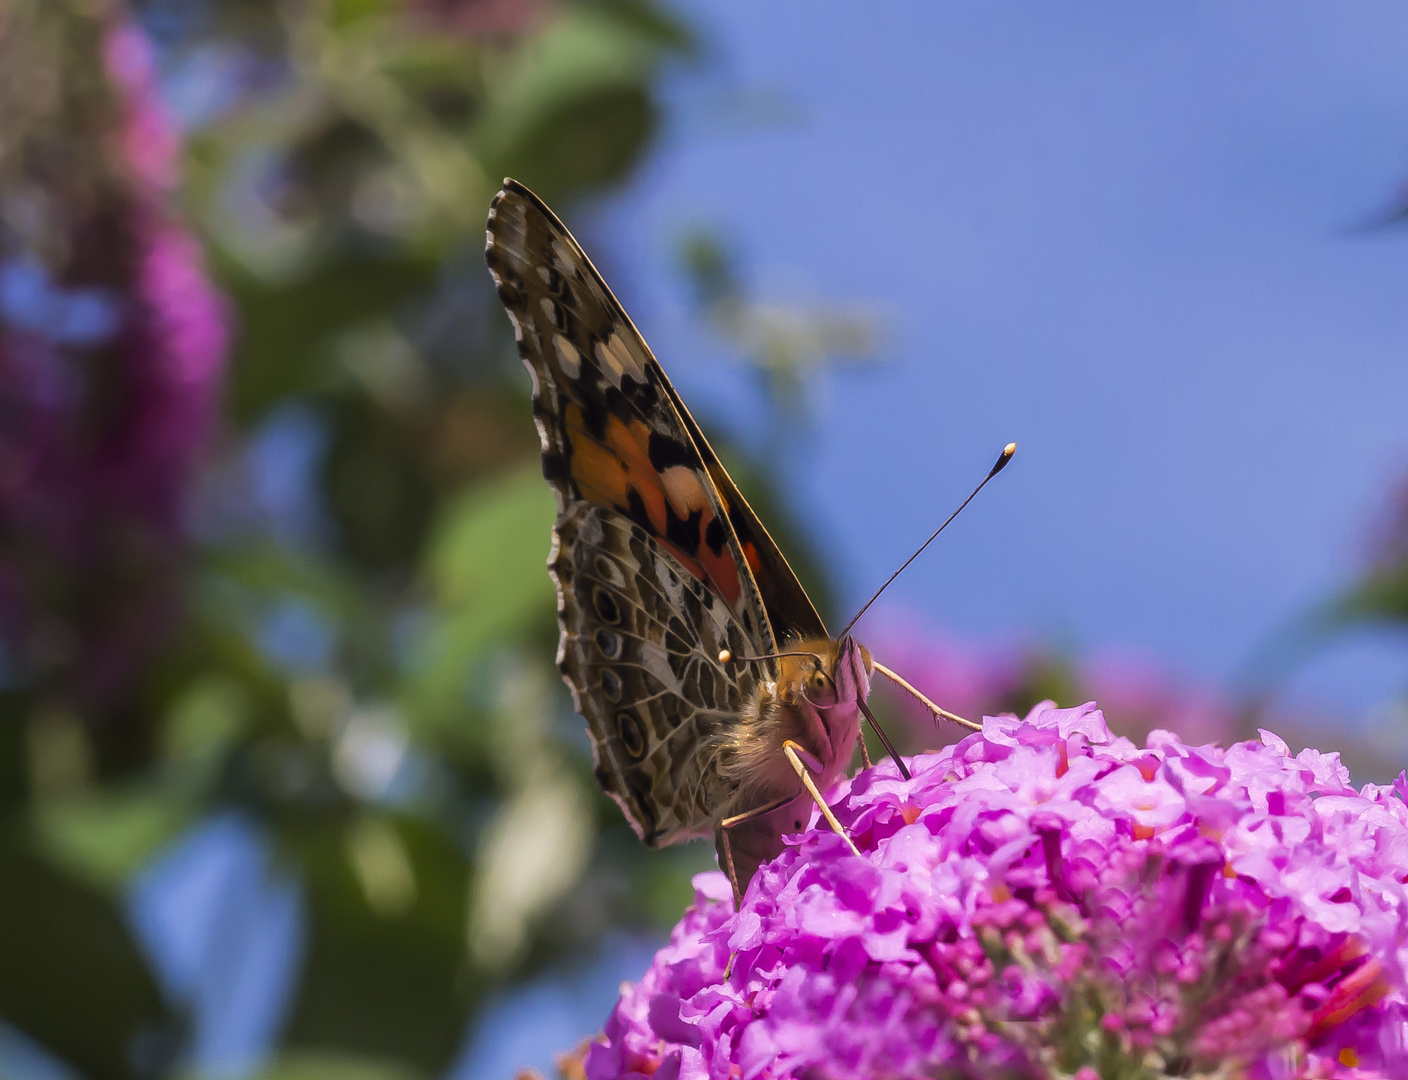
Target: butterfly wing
<point>652,579</point>
<point>605,412</point>
<point>639,649</point>
<point>791,613</point>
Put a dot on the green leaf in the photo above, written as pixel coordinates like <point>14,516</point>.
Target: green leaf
<point>1381,597</point>
<point>284,327</point>
<point>344,12</point>
<point>72,979</point>
<point>209,716</point>
<point>270,570</point>
<point>103,838</point>
<point>315,1065</point>
<point>386,980</point>
<point>486,567</point>
<point>575,109</point>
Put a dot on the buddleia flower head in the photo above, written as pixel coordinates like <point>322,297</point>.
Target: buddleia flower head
<point>1045,900</point>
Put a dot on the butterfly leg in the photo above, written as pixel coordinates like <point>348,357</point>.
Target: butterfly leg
<point>726,849</point>
<point>794,755</point>
<point>939,714</point>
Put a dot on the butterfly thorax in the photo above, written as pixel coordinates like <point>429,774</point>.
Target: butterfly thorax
<point>814,702</point>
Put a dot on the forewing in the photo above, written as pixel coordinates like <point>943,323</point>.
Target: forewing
<point>611,433</point>
<point>791,613</point>
<point>639,648</point>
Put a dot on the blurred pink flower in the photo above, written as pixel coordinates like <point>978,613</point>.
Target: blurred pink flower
<point>982,681</point>
<point>969,681</point>
<point>112,346</point>
<point>147,142</point>
<point>1146,698</point>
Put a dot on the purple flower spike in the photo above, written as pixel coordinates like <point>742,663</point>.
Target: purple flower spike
<point>1044,900</point>
<point>112,346</point>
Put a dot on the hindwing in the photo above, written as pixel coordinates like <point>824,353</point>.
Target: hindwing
<point>639,649</point>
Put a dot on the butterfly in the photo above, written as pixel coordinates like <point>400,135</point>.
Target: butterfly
<point>716,701</point>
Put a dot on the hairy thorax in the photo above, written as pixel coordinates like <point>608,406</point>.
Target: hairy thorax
<point>813,703</point>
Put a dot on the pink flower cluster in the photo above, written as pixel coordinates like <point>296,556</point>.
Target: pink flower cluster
<point>1044,899</point>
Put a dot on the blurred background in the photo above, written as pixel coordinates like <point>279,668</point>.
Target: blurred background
<point>289,786</point>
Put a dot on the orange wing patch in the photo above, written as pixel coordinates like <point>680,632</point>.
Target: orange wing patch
<point>613,430</point>
<point>672,504</point>
<point>750,552</point>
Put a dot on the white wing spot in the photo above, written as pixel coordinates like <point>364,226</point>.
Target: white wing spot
<point>685,492</point>
<point>656,661</point>
<point>567,356</point>
<point>563,257</point>
<point>616,360</point>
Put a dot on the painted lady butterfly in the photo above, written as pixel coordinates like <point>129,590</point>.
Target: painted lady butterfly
<point>716,701</point>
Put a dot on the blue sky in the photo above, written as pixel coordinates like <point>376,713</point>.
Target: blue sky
<point>1127,236</point>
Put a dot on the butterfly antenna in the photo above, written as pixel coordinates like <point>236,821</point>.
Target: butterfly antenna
<point>1002,460</point>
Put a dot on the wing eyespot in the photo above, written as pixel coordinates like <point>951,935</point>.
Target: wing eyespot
<point>609,644</point>
<point>611,685</point>
<point>631,737</point>
<point>605,606</point>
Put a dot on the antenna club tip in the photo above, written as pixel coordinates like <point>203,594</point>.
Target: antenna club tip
<point>1003,459</point>
<point>725,656</point>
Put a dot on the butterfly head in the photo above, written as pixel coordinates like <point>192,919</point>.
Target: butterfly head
<point>827,675</point>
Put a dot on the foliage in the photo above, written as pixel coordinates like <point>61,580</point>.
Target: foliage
<point>349,630</point>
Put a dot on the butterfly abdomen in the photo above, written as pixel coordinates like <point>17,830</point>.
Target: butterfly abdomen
<point>753,763</point>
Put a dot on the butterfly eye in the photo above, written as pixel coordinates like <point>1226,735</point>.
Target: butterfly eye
<point>820,689</point>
